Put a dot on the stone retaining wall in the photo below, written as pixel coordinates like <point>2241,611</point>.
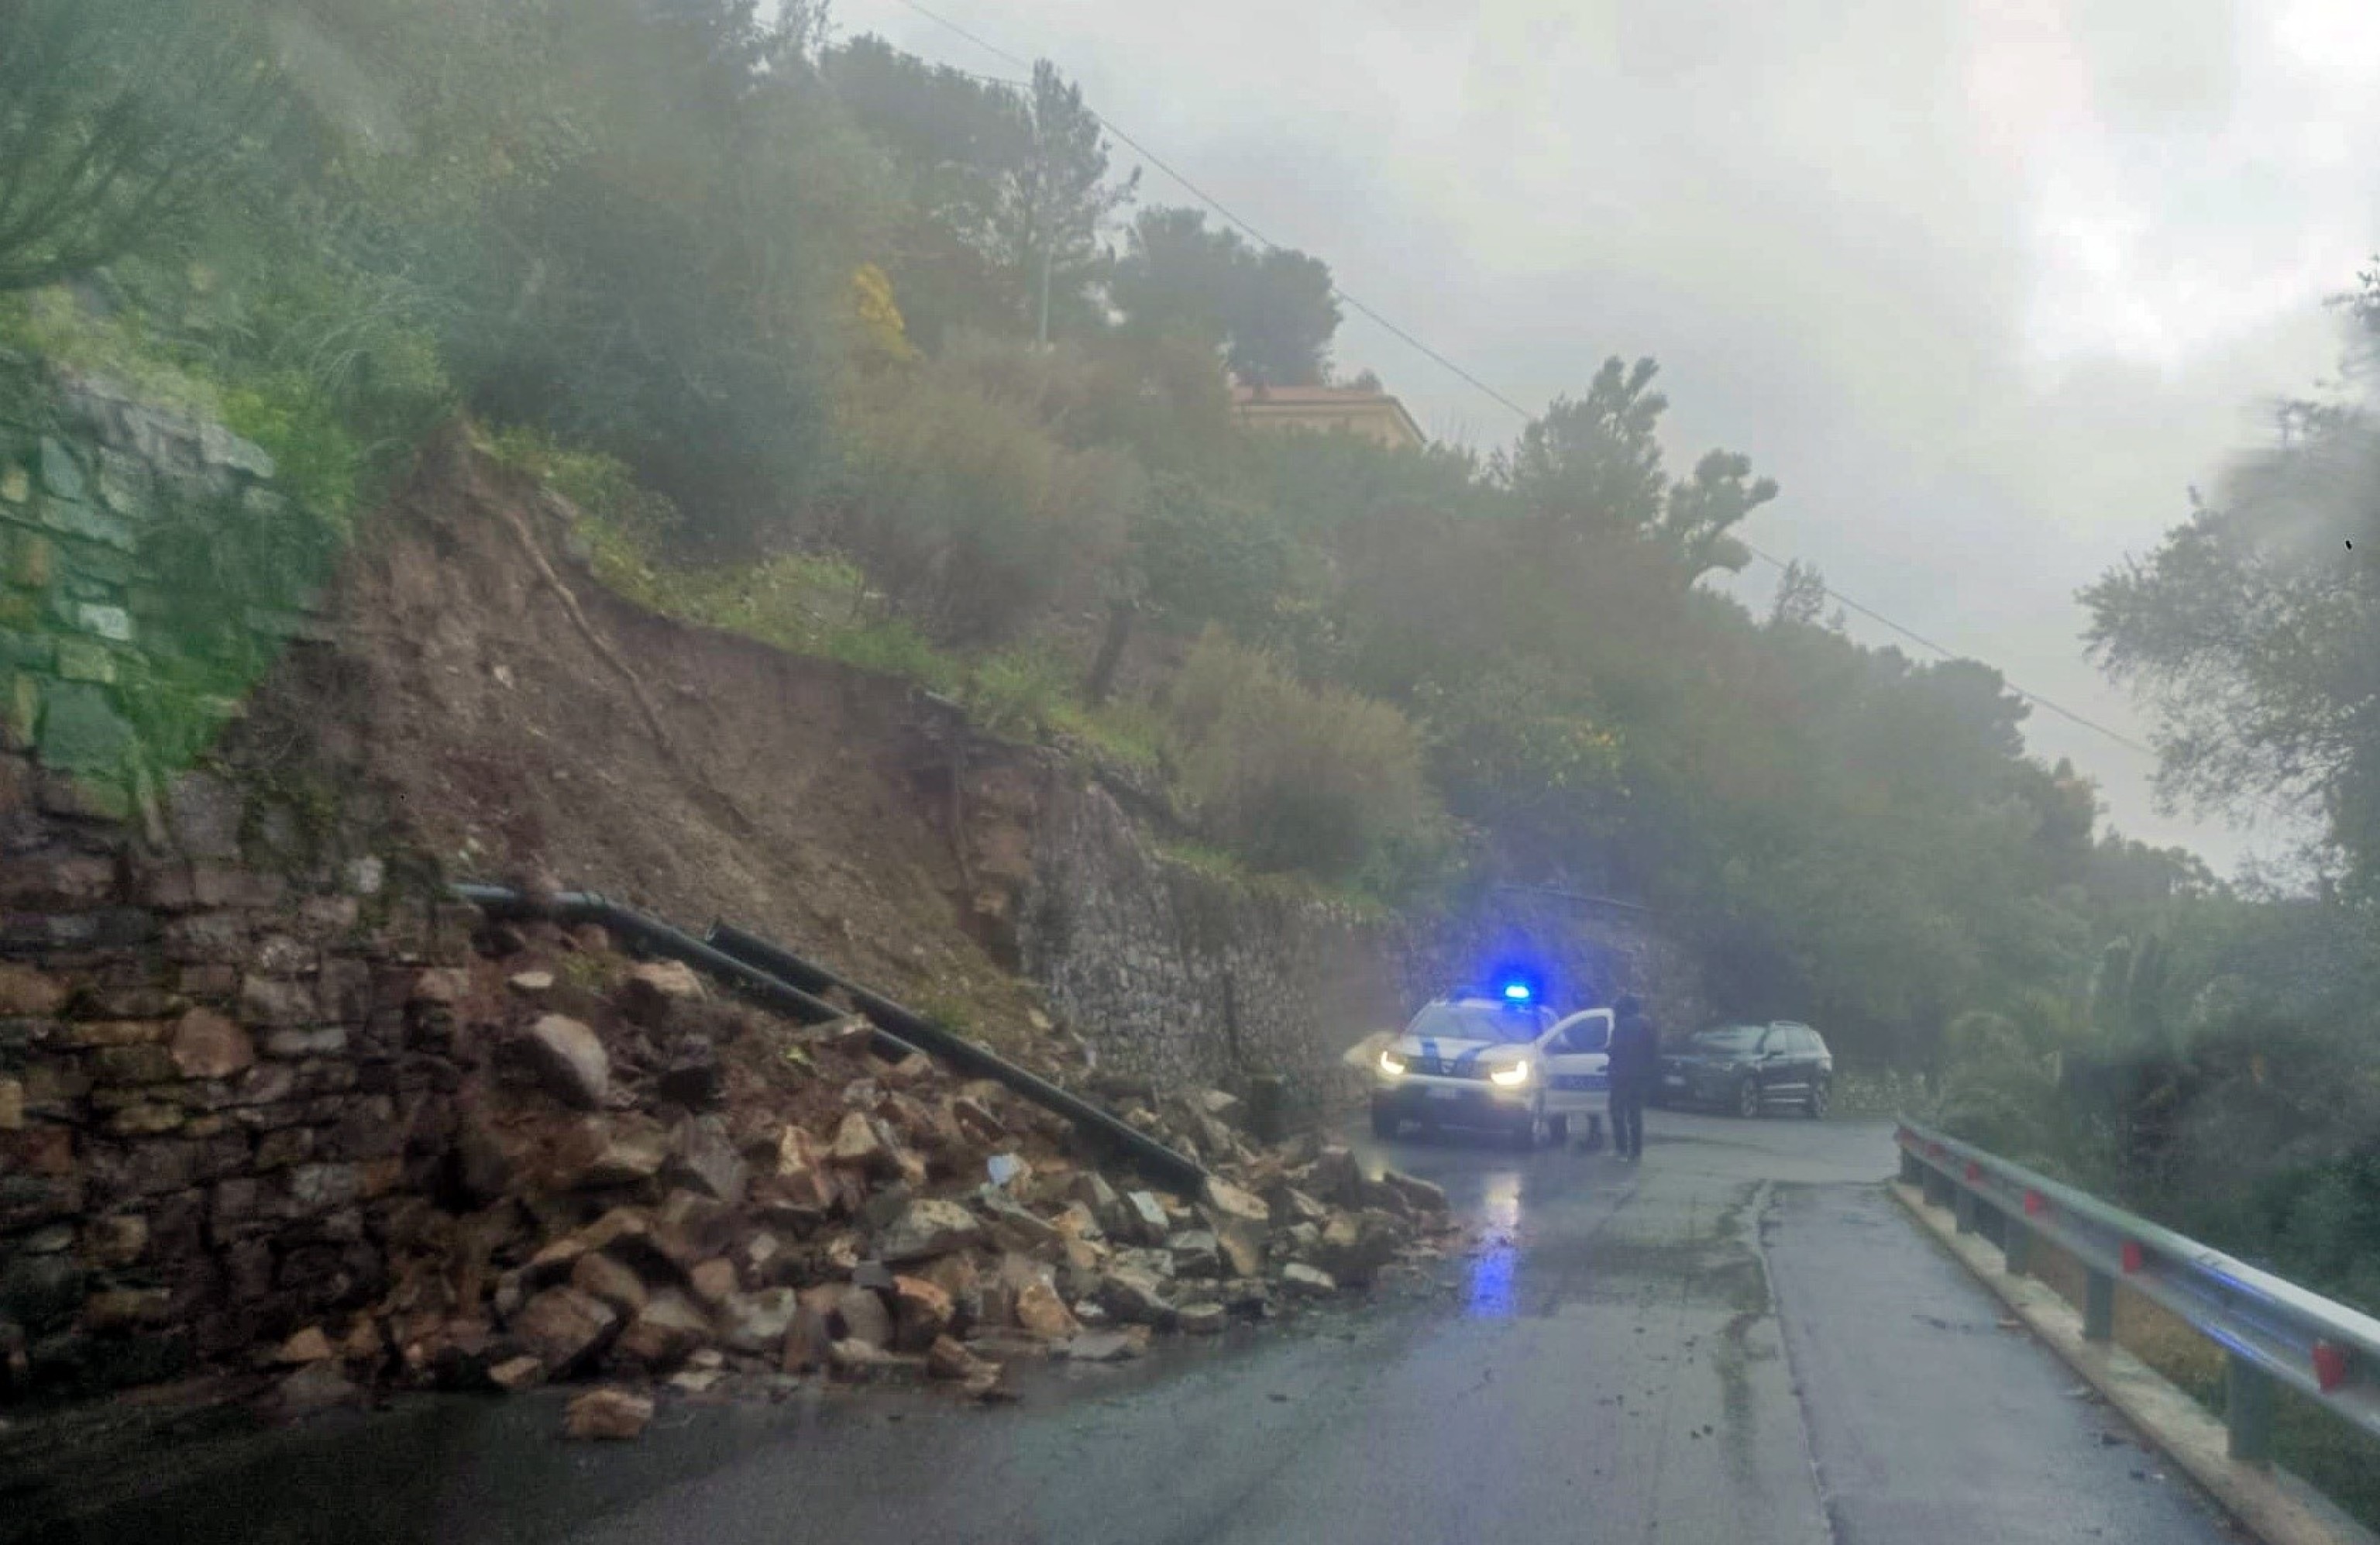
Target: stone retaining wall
<point>1183,977</point>
<point>216,1079</point>
<point>222,1033</point>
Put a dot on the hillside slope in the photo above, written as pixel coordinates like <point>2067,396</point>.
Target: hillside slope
<point>527,723</point>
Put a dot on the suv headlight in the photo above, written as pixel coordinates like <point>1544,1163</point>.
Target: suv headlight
<point>1510,1077</point>
<point>1391,1063</point>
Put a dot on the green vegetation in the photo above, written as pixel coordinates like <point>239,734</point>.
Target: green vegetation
<point>1295,777</point>
<point>2216,1064</point>
<point>768,310</point>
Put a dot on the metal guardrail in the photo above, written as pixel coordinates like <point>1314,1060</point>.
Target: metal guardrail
<point>2269,1328</point>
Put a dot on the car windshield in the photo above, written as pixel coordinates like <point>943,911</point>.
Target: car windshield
<point>1726,1037</point>
<point>1476,1021</point>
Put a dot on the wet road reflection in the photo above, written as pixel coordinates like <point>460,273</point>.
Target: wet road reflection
<point>1499,1249</point>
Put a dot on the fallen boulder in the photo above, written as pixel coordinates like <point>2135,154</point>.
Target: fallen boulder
<point>1419,1194</point>
<point>563,1327</point>
<point>756,1322</point>
<point>1145,1220</point>
<point>859,1315</point>
<point>1134,1296</point>
<point>612,1281</point>
<point>664,1333</point>
<point>1305,1281</point>
<point>921,1313</point>
<point>1196,1253</point>
<point>607,1415</point>
<point>569,1060</point>
<point>704,1159</point>
<point>652,989</point>
<point>926,1228</point>
<point>1040,1312</point>
<point>1109,1346</point>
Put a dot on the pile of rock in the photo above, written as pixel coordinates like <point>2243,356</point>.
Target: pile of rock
<point>653,1183</point>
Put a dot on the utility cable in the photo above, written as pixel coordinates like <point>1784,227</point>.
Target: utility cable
<point>1232,218</point>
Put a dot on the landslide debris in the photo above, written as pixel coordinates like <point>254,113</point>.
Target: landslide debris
<point>666,1188</point>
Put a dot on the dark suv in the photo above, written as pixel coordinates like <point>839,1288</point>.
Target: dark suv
<point>1747,1068</point>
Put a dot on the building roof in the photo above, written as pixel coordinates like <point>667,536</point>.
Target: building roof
<point>1295,402</point>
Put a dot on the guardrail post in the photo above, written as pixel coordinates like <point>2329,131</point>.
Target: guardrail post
<point>1938,1187</point>
<point>1912,1171</point>
<point>2248,1411</point>
<point>2099,1307</point>
<point>1963,1205</point>
<point>2016,1245</point>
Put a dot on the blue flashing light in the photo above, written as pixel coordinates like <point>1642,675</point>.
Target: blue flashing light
<point>1516,991</point>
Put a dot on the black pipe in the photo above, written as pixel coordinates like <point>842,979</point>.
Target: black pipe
<point>659,938</point>
<point>777,978</point>
<point>1159,1162</point>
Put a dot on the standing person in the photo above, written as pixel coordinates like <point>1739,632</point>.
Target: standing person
<point>1635,1051</point>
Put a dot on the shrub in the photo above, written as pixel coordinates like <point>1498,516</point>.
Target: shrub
<point>1293,776</point>
<point>966,509</point>
<point>1205,558</point>
<point>1019,691</point>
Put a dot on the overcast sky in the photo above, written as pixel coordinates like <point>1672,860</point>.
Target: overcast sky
<point>1987,284</point>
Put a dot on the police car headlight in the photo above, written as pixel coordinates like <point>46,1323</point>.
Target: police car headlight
<point>1510,1077</point>
<point>1391,1064</point>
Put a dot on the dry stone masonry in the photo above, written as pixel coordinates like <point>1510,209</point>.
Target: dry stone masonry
<point>223,1032</point>
<point>216,1079</point>
<point>1177,978</point>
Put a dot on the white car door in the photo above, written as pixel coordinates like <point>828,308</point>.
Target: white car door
<point>1577,1057</point>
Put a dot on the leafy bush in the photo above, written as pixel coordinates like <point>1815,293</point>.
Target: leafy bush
<point>1293,776</point>
<point>968,512</point>
<point>1519,747</point>
<point>1018,691</point>
<point>633,519</point>
<point>1208,559</point>
<point>123,123</point>
<point>1999,1086</point>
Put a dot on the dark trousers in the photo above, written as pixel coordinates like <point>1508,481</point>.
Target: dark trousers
<point>1628,1120</point>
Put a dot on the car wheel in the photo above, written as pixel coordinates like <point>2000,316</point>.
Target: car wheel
<point>1384,1123</point>
<point>1747,1098</point>
<point>1815,1106</point>
<point>1558,1129</point>
<point>1531,1131</point>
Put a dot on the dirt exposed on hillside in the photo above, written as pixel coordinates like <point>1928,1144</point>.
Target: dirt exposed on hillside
<point>509,706</point>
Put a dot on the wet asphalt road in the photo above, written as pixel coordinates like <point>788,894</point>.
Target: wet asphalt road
<point>1741,1340</point>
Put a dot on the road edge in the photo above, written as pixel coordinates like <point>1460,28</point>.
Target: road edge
<point>1767,1194</point>
<point>2271,1503</point>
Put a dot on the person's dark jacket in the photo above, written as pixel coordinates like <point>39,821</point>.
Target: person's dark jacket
<point>1635,1049</point>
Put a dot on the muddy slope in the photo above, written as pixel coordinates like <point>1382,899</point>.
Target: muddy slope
<point>527,725</point>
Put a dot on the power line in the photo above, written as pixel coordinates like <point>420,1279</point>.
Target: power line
<point>2033,697</point>
<point>988,46</point>
<point>1232,217</point>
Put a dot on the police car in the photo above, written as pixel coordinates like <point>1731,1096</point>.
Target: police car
<point>1498,1060</point>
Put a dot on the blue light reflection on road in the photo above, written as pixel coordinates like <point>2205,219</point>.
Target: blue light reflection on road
<point>1492,1271</point>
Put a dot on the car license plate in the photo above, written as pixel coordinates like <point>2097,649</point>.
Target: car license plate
<point>1446,1094</point>
<point>1675,1080</point>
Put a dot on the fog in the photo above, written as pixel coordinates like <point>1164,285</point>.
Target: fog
<point>1987,287</point>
